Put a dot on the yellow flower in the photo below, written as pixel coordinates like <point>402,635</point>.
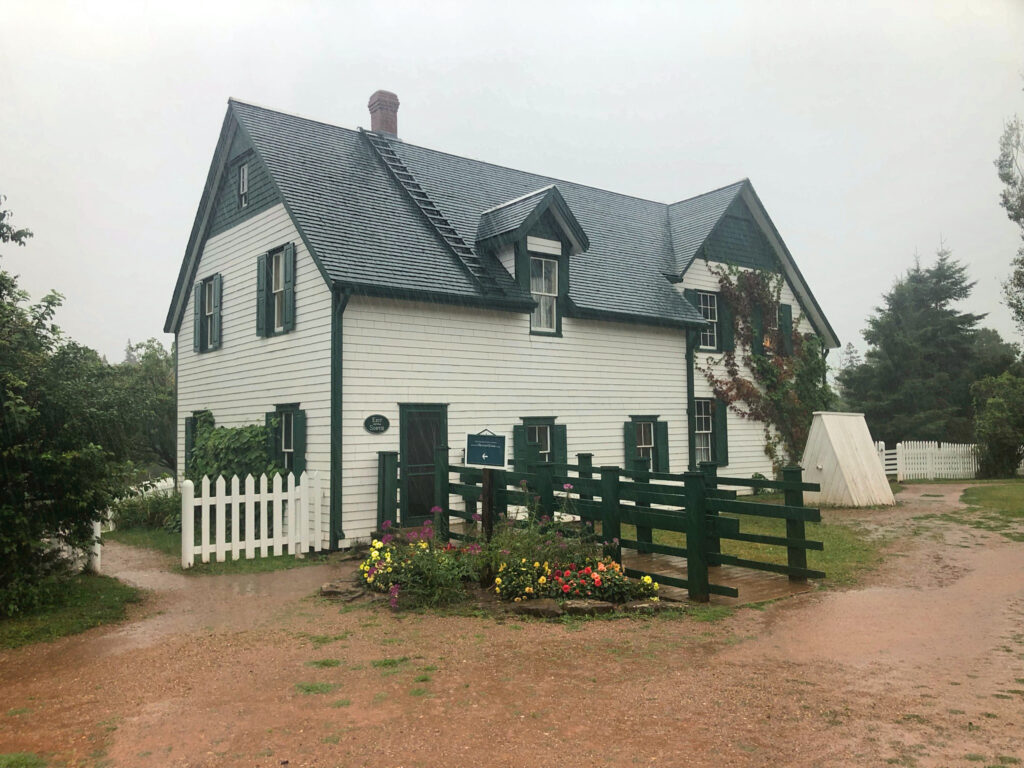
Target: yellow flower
<point>529,590</point>
<point>518,599</point>
<point>498,590</point>
<point>497,580</point>
<point>646,580</point>
<point>377,544</point>
<point>369,580</point>
<point>655,586</point>
<point>542,580</point>
<point>501,567</point>
<point>389,570</point>
<point>523,560</point>
<point>536,564</point>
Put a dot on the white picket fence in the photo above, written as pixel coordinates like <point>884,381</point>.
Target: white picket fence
<point>281,515</point>
<point>928,460</point>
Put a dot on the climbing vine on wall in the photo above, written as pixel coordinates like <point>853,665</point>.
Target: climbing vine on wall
<point>769,375</point>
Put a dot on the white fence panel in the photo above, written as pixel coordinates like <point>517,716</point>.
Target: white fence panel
<point>927,460</point>
<point>287,515</point>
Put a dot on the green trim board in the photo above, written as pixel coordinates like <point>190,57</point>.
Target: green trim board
<point>339,301</point>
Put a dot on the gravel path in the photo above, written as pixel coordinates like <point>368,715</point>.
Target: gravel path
<point>923,665</point>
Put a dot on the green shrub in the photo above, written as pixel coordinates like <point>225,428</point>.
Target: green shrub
<point>999,424</point>
<point>591,579</point>
<point>148,510</point>
<point>230,451</point>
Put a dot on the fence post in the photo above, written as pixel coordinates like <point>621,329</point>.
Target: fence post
<point>611,530</point>
<point>795,529</point>
<point>441,492</point>
<point>585,471</point>
<point>387,487</point>
<point>96,550</point>
<point>710,470</point>
<point>641,468</point>
<point>546,488</point>
<point>500,494</point>
<point>696,537</point>
<point>487,503</point>
<point>188,519</point>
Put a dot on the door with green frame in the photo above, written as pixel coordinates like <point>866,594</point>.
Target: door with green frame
<point>422,428</point>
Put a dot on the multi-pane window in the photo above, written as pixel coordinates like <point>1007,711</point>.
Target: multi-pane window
<point>277,289</point>
<point>704,425</point>
<point>708,305</point>
<point>544,289</point>
<point>771,330</point>
<point>540,434</point>
<point>645,439</point>
<point>208,314</point>
<point>288,439</point>
<point>243,185</point>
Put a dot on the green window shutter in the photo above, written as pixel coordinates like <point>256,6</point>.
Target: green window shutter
<point>786,328</point>
<point>197,318</point>
<point>720,433</point>
<point>520,450</point>
<point>691,296</point>
<point>660,446</point>
<point>629,443</point>
<point>261,295</point>
<point>299,442</point>
<point>289,287</point>
<point>757,332</point>
<point>559,450</point>
<point>190,442</point>
<point>273,454</point>
<point>726,337</point>
<point>215,317</point>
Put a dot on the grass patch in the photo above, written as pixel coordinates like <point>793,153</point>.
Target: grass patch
<point>18,711</point>
<point>421,679</point>
<point>324,663</point>
<point>389,663</point>
<point>85,601</point>
<point>418,691</point>
<point>709,612</point>
<point>170,544</point>
<point>319,641</point>
<point>342,703</point>
<point>309,689</point>
<point>21,760</point>
<point>995,508</point>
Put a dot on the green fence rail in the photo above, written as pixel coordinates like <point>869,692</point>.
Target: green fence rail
<point>701,506</point>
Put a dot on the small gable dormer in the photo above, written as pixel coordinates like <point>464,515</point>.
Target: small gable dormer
<point>533,237</point>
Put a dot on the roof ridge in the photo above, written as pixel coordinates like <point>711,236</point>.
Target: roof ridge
<point>744,180</point>
<point>518,199</point>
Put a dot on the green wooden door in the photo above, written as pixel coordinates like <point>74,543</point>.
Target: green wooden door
<point>422,427</point>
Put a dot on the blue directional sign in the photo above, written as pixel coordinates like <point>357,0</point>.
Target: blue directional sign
<point>486,451</point>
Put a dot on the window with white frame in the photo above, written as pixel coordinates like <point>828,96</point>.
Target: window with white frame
<point>540,434</point>
<point>544,289</point>
<point>708,305</point>
<point>208,320</point>
<point>277,288</point>
<point>704,425</point>
<point>243,185</point>
<point>645,439</point>
<point>288,439</point>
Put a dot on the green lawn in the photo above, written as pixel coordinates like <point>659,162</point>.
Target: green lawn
<point>997,508</point>
<point>170,544</point>
<point>85,601</point>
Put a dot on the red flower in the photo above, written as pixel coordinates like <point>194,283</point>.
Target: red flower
<point>565,587</point>
<point>597,581</point>
<point>587,570</point>
<point>558,574</point>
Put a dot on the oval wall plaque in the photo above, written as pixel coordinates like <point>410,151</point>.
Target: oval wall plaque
<point>376,424</point>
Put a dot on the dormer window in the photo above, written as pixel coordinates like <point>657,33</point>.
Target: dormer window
<point>243,185</point>
<point>544,289</point>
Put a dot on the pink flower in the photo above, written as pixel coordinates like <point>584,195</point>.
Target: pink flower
<point>567,487</point>
<point>435,510</point>
<point>385,525</point>
<point>476,517</point>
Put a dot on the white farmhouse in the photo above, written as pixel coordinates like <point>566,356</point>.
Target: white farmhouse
<point>333,274</point>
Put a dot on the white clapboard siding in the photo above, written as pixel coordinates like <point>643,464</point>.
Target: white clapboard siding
<point>249,375</point>
<point>746,437</point>
<point>491,372</point>
<point>296,507</point>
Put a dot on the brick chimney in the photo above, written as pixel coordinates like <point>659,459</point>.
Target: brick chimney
<point>384,112</point>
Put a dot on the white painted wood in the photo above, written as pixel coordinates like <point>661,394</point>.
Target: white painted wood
<point>277,499</point>
<point>543,245</point>
<point>236,531</point>
<point>188,536</point>
<point>303,510</point>
<point>250,517</point>
<point>204,530</point>
<point>317,508</point>
<point>221,522</point>
<point>264,518</point>
<point>492,371</point>
<point>507,258</point>
<point>841,457</point>
<point>94,562</point>
<point>244,379</point>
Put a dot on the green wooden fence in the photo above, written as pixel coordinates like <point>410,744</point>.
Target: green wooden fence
<point>702,506</point>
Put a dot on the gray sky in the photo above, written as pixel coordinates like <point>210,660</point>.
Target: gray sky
<point>868,129</point>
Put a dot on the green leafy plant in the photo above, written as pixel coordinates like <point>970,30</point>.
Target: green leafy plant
<point>147,508</point>
<point>230,451</point>
<point>999,425</point>
<point>781,391</point>
<point>590,579</point>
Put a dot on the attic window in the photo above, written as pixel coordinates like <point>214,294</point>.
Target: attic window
<point>544,289</point>
<point>243,185</point>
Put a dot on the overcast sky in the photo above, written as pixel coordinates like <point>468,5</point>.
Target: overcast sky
<point>868,129</point>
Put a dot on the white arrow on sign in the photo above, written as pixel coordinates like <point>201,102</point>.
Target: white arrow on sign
<point>484,455</point>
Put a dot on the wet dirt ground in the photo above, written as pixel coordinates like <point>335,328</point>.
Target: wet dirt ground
<point>920,665</point>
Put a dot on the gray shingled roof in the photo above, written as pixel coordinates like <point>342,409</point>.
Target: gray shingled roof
<point>367,233</point>
<point>691,221</point>
<point>509,216</point>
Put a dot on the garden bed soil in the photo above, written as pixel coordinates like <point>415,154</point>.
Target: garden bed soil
<point>920,666</point>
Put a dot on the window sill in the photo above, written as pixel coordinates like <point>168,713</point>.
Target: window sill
<point>554,334</point>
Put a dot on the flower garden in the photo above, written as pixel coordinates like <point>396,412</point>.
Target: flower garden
<point>526,559</point>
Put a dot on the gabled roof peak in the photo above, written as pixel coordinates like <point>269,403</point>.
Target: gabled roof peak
<point>514,219</point>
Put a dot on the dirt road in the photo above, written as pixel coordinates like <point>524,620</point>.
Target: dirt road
<point>922,665</point>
